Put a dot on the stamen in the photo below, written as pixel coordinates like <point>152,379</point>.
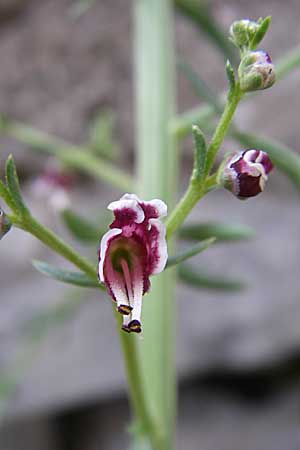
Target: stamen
<point>127,279</point>
<point>135,326</point>
<point>124,309</point>
<point>125,325</point>
<point>135,323</point>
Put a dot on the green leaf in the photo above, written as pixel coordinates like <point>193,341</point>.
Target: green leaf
<point>65,276</point>
<point>188,275</point>
<point>281,156</point>
<point>199,153</point>
<point>5,195</point>
<point>81,228</point>
<point>13,185</point>
<point>200,87</point>
<point>190,252</point>
<point>221,231</point>
<point>260,32</point>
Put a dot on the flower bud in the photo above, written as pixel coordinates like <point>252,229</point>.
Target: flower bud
<point>245,173</point>
<point>242,32</point>
<point>256,71</point>
<point>5,224</point>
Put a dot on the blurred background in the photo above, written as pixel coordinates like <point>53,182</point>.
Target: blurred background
<point>66,68</point>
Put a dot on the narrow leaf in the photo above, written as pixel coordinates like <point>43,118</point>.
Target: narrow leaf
<point>5,195</point>
<point>65,276</point>
<point>13,185</point>
<point>200,87</point>
<point>81,228</point>
<point>198,13</point>
<point>281,156</point>
<point>221,231</point>
<point>188,275</point>
<point>190,252</point>
<point>260,32</point>
<point>199,153</point>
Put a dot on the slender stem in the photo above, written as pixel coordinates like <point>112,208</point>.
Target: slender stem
<point>43,234</point>
<point>222,128</point>
<point>73,156</point>
<point>196,190</point>
<point>183,208</point>
<point>157,175</point>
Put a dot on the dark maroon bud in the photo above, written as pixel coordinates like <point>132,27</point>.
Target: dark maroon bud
<point>245,173</point>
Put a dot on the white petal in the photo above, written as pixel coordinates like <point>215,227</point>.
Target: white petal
<point>128,204</point>
<point>159,205</point>
<point>103,249</point>
<point>161,244</point>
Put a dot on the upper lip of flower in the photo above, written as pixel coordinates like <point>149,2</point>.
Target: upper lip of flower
<point>132,250</point>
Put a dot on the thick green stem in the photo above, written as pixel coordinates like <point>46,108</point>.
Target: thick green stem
<point>157,174</point>
<point>145,422</point>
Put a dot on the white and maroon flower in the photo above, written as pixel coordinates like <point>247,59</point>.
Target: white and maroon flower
<point>245,173</point>
<point>133,249</point>
<point>53,186</point>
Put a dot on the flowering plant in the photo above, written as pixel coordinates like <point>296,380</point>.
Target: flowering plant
<point>135,246</point>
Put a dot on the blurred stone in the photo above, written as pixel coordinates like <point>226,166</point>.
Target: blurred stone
<point>9,8</point>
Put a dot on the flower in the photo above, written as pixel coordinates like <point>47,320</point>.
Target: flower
<point>256,71</point>
<point>133,249</point>
<point>245,173</point>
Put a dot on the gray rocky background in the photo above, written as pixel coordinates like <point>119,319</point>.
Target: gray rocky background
<point>61,380</point>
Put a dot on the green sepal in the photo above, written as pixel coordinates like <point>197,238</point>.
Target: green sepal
<point>188,275</point>
<point>260,32</point>
<point>65,276</point>
<point>221,231</point>
<point>231,79</point>
<point>199,153</point>
<point>80,228</point>
<point>13,185</point>
<point>190,252</point>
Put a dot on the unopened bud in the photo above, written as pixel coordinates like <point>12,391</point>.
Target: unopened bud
<point>5,224</point>
<point>245,173</point>
<point>256,71</point>
<point>242,32</point>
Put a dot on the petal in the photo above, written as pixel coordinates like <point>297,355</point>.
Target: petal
<point>158,252</point>
<point>154,208</point>
<point>127,212</point>
<point>104,246</point>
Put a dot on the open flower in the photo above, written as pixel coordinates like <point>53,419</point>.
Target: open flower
<point>245,173</point>
<point>133,249</point>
